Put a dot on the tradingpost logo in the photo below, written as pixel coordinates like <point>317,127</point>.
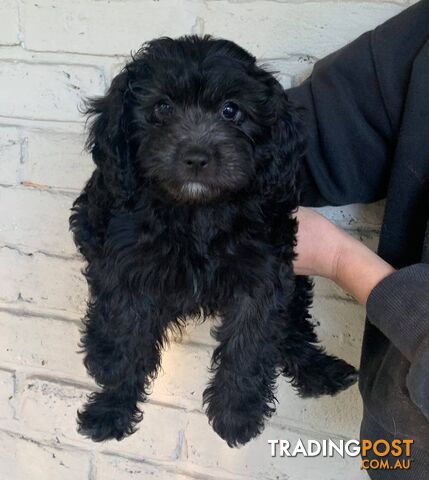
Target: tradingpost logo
<point>374,453</point>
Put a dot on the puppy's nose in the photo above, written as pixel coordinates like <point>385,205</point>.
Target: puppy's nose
<point>196,159</point>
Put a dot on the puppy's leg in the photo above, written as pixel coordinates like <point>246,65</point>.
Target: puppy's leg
<point>312,371</point>
<point>123,337</point>
<point>240,395</point>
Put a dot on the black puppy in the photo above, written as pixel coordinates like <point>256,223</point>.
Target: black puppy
<point>189,210</point>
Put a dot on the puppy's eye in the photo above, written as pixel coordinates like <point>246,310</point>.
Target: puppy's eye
<point>162,110</point>
<point>230,111</point>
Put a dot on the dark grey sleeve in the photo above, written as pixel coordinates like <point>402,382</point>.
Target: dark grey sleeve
<point>352,104</point>
<point>399,307</point>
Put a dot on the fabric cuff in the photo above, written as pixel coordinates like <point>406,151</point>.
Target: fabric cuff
<point>399,307</point>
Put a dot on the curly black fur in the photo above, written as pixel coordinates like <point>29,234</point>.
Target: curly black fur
<point>191,207</point>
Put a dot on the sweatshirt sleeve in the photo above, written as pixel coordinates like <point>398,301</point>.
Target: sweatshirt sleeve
<point>352,109</point>
<point>399,307</point>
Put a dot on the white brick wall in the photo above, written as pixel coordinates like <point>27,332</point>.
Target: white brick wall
<point>52,54</point>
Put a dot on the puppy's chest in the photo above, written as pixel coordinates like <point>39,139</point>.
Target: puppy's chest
<point>197,254</point>
<point>188,251</point>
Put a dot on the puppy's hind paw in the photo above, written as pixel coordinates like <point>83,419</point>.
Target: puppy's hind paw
<point>330,376</point>
<point>101,420</point>
<point>347,378</point>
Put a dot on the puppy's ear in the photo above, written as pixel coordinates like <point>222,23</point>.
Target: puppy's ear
<point>287,140</point>
<point>288,131</point>
<point>108,139</point>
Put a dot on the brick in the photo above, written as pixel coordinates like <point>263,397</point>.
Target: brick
<point>370,238</point>
<point>9,23</point>
<point>54,350</point>
<point>184,375</point>
<point>327,288</point>
<point>285,80</point>
<point>26,459</point>
<point>41,281</point>
<point>54,345</point>
<point>280,29</point>
<point>165,435</point>
<point>200,333</point>
<point>6,394</point>
<point>356,216</point>
<point>47,92</point>
<point>50,408</point>
<point>56,159</point>
<point>76,27</point>
<point>117,468</point>
<point>160,436</point>
<point>296,70</point>
<point>253,460</point>
<point>116,68</point>
<point>341,327</point>
<point>10,155</point>
<point>332,415</point>
<point>36,220</point>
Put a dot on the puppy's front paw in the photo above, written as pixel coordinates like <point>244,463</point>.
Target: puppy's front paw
<point>236,428</point>
<point>237,407</point>
<point>104,419</point>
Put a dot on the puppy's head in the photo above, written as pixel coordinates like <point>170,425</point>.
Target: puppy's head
<point>194,118</point>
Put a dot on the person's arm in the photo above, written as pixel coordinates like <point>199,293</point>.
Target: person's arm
<point>325,250</point>
<point>397,301</point>
<point>352,109</point>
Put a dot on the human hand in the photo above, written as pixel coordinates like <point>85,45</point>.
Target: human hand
<point>325,250</point>
<point>319,245</point>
